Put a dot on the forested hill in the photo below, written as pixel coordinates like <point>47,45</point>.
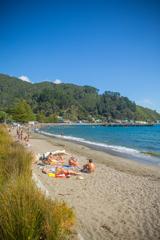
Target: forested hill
<point>70,101</point>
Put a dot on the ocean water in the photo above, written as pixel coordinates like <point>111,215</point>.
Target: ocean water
<point>129,142</point>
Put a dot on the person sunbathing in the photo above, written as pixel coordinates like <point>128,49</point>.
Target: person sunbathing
<point>73,162</point>
<point>89,167</point>
<point>67,172</point>
<point>49,159</point>
<point>59,158</point>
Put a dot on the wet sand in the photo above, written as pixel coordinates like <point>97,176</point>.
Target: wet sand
<point>120,200</point>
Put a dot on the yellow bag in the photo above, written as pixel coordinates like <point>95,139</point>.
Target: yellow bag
<point>51,175</point>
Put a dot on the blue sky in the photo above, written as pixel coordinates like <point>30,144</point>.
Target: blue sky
<point>110,44</point>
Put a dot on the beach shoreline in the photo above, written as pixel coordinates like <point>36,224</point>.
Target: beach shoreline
<point>115,161</point>
<point>116,147</point>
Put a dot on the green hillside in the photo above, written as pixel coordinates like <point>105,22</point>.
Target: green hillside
<point>70,101</point>
<point>146,114</point>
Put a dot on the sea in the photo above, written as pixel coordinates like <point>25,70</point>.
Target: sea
<point>135,143</point>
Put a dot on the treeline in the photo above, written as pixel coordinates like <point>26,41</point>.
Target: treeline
<point>48,100</point>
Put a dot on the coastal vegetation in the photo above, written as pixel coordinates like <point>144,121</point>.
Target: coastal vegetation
<point>22,112</point>
<point>25,213</point>
<point>46,100</point>
<point>153,154</point>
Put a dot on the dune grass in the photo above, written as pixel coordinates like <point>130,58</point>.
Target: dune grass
<point>14,159</point>
<point>25,213</point>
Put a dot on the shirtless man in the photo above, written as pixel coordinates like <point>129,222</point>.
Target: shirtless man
<point>89,167</point>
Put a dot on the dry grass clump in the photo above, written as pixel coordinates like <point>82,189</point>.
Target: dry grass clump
<point>4,136</point>
<point>14,159</point>
<point>25,213</point>
<point>5,142</point>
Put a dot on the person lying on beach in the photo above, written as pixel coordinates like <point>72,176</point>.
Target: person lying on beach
<point>59,158</point>
<point>50,157</point>
<point>45,170</point>
<point>67,172</point>
<point>53,159</point>
<point>48,160</point>
<point>73,162</point>
<point>89,167</point>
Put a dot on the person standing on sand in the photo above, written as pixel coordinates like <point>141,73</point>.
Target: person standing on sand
<point>21,134</point>
<point>9,131</point>
<point>18,133</point>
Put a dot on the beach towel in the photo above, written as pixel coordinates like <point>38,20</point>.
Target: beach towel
<point>59,152</point>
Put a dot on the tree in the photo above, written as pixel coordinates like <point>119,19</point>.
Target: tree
<point>22,112</point>
<point>3,116</point>
<point>41,117</point>
<point>52,118</point>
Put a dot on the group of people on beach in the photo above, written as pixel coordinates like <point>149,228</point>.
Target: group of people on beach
<point>72,162</point>
<point>88,167</point>
<point>23,135</point>
<point>53,158</point>
<point>59,169</point>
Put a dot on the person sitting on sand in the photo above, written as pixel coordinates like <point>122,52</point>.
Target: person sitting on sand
<point>89,167</point>
<point>73,162</point>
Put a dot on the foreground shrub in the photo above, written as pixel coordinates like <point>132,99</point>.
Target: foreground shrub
<point>26,214</point>
<point>20,214</point>
<point>14,161</point>
<point>18,160</point>
<point>5,143</point>
<point>59,220</point>
<point>4,136</point>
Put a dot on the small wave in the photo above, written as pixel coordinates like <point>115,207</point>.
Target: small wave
<point>115,148</point>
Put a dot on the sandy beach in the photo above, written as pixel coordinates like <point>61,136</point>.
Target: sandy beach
<point>120,200</point>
